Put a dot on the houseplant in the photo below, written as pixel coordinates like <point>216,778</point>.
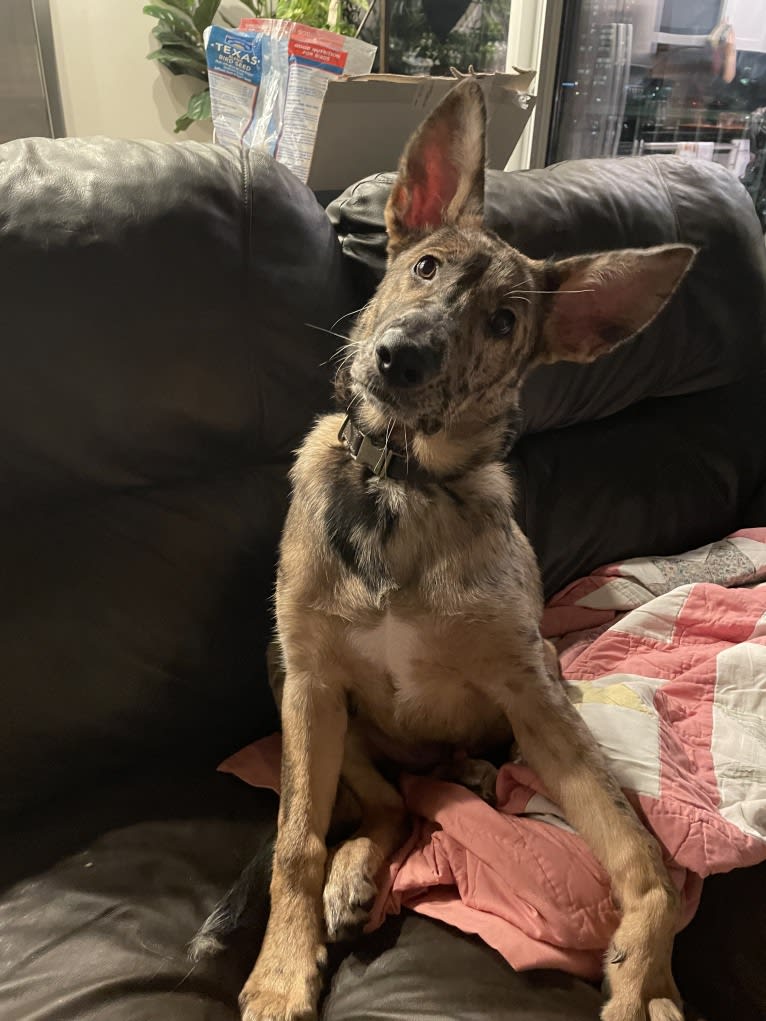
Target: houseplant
<point>181,24</point>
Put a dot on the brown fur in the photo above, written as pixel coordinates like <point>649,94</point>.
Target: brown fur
<point>408,613</point>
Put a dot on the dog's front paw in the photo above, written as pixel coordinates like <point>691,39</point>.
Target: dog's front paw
<point>283,990</point>
<point>350,888</point>
<point>657,1009</point>
<point>641,989</point>
<point>280,996</point>
<point>638,976</point>
<point>258,1004</point>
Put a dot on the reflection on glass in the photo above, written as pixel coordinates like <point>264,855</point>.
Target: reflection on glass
<point>431,36</point>
<point>665,76</point>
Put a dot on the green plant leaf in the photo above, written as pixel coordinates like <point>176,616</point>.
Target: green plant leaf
<point>199,106</point>
<point>178,61</point>
<point>187,6</point>
<point>175,20</point>
<point>192,54</point>
<point>167,37</point>
<point>197,110</point>
<point>205,13</point>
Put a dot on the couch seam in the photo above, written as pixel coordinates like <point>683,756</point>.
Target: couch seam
<point>247,215</point>
<point>664,184</point>
<point>247,238</point>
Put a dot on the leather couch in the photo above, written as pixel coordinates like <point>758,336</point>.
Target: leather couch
<point>162,343</point>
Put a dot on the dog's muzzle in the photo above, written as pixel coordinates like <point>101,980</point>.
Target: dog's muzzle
<point>404,363</point>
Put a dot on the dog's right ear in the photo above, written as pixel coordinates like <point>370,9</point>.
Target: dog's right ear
<point>441,172</point>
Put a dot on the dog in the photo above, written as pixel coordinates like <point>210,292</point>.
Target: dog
<point>408,601</point>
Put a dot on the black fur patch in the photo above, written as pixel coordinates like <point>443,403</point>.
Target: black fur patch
<point>474,268</point>
<point>456,498</point>
<point>359,522</point>
<point>514,422</point>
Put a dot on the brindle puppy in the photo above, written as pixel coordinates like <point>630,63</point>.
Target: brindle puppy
<point>408,600</point>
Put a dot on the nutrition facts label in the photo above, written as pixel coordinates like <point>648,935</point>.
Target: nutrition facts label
<point>310,68</point>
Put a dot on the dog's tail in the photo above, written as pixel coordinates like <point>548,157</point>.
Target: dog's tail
<point>243,908</point>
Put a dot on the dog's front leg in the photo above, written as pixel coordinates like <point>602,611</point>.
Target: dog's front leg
<point>284,984</point>
<point>353,867</point>
<point>557,744</point>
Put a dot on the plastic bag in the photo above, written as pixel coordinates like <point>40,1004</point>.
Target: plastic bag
<point>235,71</point>
<point>268,81</point>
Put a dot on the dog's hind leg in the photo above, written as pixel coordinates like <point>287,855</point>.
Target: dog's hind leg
<point>284,984</point>
<point>352,867</point>
<point>557,744</point>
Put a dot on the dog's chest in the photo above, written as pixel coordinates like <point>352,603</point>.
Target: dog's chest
<point>392,645</point>
<point>414,682</point>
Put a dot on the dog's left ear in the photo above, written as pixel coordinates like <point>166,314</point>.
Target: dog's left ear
<point>441,172</point>
<point>599,301</point>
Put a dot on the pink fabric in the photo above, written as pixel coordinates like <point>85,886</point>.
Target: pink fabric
<point>671,678</point>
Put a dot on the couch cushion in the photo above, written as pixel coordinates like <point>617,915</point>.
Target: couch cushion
<point>102,894</point>
<point>157,374</point>
<point>155,306</point>
<point>659,478</point>
<point>417,968</point>
<point>101,932</point>
<point>132,628</point>
<point>719,957</point>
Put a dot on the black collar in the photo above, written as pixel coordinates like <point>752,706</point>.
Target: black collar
<point>382,461</point>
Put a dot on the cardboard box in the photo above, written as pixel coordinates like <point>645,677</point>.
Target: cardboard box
<point>366,121</point>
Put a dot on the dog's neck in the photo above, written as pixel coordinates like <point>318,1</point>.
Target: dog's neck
<point>380,457</point>
<point>419,458</point>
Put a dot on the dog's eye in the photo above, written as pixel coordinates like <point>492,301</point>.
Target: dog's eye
<point>426,267</point>
<point>502,322</point>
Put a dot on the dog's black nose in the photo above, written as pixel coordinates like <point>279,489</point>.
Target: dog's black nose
<point>403,362</point>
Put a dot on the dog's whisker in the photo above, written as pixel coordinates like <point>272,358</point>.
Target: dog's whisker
<point>348,314</point>
<point>348,350</point>
<point>345,360</point>
<point>332,333</point>
<point>356,399</point>
<point>345,347</point>
<point>584,290</point>
<point>389,430</point>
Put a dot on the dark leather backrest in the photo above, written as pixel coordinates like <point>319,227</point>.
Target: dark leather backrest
<point>156,377</point>
<point>664,448</point>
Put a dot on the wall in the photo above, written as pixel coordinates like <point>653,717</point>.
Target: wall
<point>108,87</point>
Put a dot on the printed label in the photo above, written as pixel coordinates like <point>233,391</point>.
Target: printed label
<point>234,71</point>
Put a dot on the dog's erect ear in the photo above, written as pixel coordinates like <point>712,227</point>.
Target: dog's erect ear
<point>601,300</point>
<point>441,172</point>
